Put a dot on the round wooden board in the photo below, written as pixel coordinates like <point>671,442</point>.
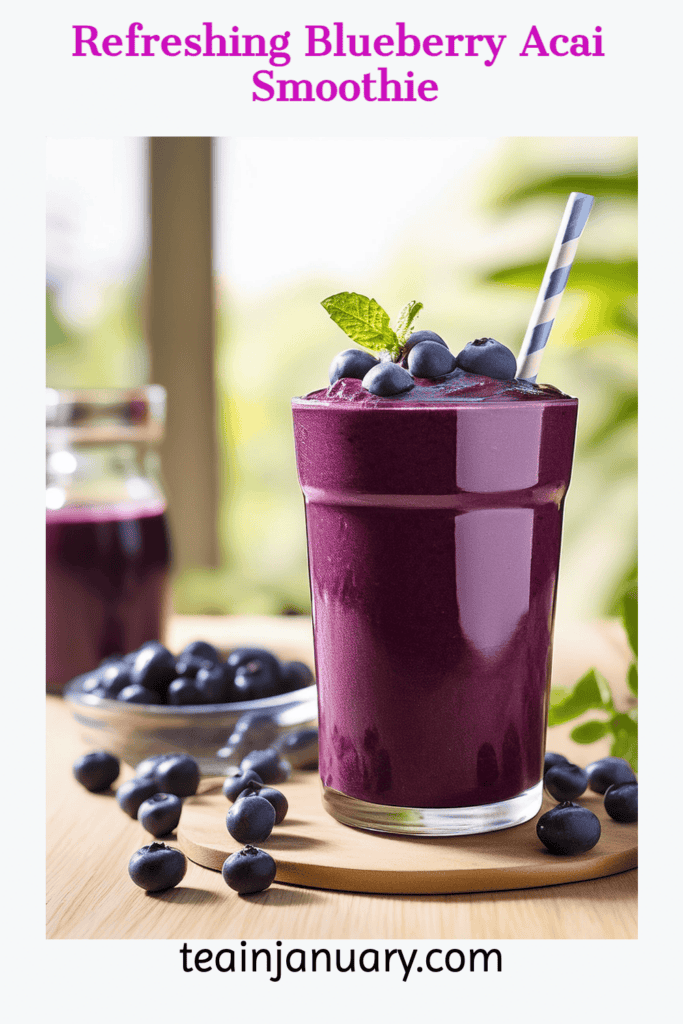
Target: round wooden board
<point>312,849</point>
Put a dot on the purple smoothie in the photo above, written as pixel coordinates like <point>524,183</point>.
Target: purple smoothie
<point>434,521</point>
<point>107,571</point>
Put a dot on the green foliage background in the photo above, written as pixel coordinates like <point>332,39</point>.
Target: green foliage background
<point>281,345</point>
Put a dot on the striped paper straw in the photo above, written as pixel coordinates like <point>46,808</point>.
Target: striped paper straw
<point>553,285</point>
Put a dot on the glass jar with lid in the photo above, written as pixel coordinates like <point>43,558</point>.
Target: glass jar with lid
<point>107,539</point>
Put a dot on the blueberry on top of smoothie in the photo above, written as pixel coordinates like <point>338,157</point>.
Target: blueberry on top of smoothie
<point>487,357</point>
<point>393,357</point>
<point>352,362</point>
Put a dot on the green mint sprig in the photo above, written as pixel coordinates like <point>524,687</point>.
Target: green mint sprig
<point>592,691</point>
<point>366,323</point>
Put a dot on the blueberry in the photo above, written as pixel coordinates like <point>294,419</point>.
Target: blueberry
<point>268,764</point>
<point>609,771</point>
<point>254,730</point>
<point>295,676</point>
<point>242,655</point>
<point>111,659</point>
<point>352,362</point>
<point>300,748</point>
<point>234,784</point>
<point>160,813</point>
<point>183,691</point>
<point>113,678</point>
<point>91,684</point>
<point>215,685</point>
<point>417,337</point>
<point>251,820</point>
<point>131,794</point>
<point>97,770</point>
<point>157,867</point>
<point>565,781</point>
<point>621,802</point>
<point>568,829</point>
<point>149,765</point>
<point>489,358</point>
<point>154,667</point>
<point>551,760</point>
<point>256,680</point>
<point>249,870</point>
<point>201,650</point>
<point>387,379</point>
<point>136,694</point>
<point>273,796</point>
<point>188,666</point>
<point>429,359</point>
<point>178,774</point>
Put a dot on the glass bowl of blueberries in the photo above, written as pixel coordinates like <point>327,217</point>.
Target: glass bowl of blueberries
<point>204,702</point>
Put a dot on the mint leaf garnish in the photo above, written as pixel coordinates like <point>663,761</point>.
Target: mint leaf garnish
<point>405,319</point>
<point>364,321</point>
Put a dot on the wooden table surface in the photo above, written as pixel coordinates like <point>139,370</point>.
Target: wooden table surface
<point>90,841</point>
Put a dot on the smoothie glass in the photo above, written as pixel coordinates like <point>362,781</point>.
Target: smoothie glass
<point>107,543</point>
<point>433,541</point>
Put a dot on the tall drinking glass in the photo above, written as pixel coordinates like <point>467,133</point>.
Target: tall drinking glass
<point>433,543</point>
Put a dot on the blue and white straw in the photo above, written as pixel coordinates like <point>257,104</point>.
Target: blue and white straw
<point>553,285</point>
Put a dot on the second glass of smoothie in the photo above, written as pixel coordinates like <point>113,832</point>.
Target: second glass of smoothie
<point>434,522</point>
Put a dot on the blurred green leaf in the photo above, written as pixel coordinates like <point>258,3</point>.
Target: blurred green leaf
<point>623,409</point>
<point>632,679</point>
<point>55,333</point>
<point>629,616</point>
<point>613,277</point>
<point>602,186</point>
<point>625,744</point>
<point>589,732</point>
<point>591,691</point>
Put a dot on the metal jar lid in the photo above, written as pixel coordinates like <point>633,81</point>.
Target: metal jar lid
<point>105,415</point>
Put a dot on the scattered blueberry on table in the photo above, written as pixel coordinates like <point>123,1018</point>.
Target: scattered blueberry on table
<point>160,813</point>
<point>273,796</point>
<point>178,774</point>
<point>134,792</point>
<point>299,747</point>
<point>157,867</point>
<point>251,820</point>
<point>235,783</point>
<point>609,771</point>
<point>268,764</point>
<point>254,730</point>
<point>621,802</point>
<point>249,870</point>
<point>568,829</point>
<point>552,759</point>
<point>565,781</point>
<point>97,770</point>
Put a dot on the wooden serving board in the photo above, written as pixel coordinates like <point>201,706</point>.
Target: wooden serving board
<point>312,849</point>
